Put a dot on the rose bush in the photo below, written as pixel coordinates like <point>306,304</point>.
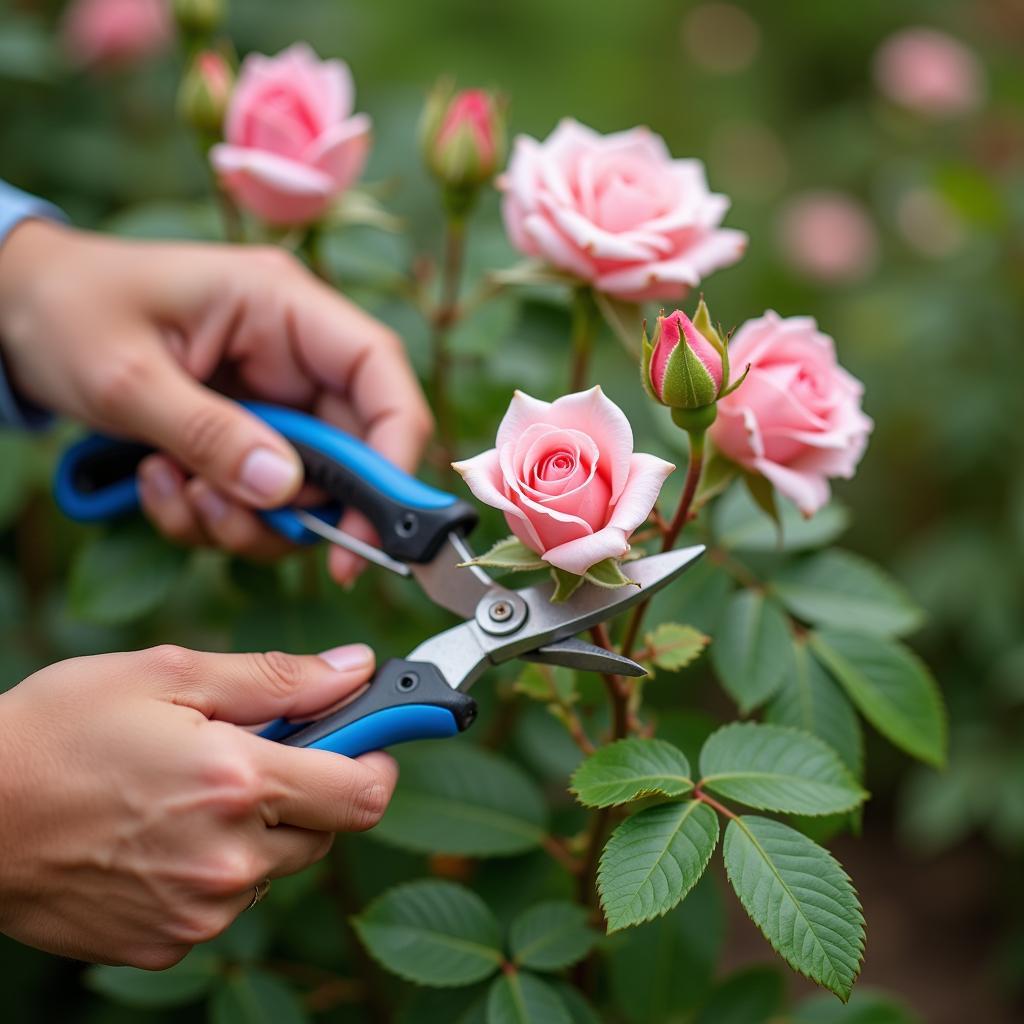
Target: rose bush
<point>616,211</point>
<point>797,420</point>
<point>291,141</point>
<point>567,479</point>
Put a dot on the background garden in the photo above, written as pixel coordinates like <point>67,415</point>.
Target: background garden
<point>899,229</point>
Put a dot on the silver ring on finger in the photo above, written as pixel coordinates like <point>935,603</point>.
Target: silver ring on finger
<point>258,893</point>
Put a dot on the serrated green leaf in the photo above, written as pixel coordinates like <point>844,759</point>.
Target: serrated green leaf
<point>751,650</point>
<point>750,996</point>
<point>123,575</point>
<point>509,553</point>
<point>838,589</point>
<point>566,584</point>
<point>522,998</point>
<point>255,997</point>
<point>653,859</point>
<point>457,798</point>
<point>809,700</point>
<point>892,687</point>
<point>433,933</point>
<point>551,935</point>
<point>800,898</point>
<point>775,768</point>
<point>629,769</point>
<point>662,969</point>
<point>547,683</point>
<point>674,646</point>
<point>739,525</point>
<point>608,573</point>
<point>185,982</point>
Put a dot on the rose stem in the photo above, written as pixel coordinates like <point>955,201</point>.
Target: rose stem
<point>671,534</point>
<point>582,337</point>
<point>445,317</point>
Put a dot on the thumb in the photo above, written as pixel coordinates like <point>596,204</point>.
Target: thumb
<point>209,434</point>
<point>247,689</point>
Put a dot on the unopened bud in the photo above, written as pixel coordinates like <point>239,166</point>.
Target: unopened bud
<point>204,93</point>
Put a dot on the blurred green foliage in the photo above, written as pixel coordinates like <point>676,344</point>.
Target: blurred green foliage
<point>938,342</point>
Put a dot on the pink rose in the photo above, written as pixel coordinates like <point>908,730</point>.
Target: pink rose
<point>930,72</point>
<point>616,211</point>
<point>292,143</point>
<point>828,236</point>
<point>463,135</point>
<point>115,32</point>
<point>683,369</point>
<point>566,477</point>
<point>796,419</point>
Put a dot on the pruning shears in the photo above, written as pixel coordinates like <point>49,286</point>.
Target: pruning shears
<point>422,534</point>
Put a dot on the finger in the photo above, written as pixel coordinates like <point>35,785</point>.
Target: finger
<point>357,357</point>
<point>250,688</point>
<point>232,526</point>
<point>146,394</point>
<point>162,497</point>
<point>285,849</point>
<point>321,790</point>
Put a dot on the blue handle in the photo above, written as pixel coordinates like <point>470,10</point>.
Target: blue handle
<point>405,701</point>
<point>96,481</point>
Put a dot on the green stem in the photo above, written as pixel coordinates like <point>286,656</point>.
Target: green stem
<point>583,324</point>
<point>445,317</point>
<point>671,534</point>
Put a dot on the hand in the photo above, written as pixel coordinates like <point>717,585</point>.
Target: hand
<point>123,335</point>
<point>135,821</point>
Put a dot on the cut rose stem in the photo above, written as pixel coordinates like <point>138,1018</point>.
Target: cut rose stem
<point>445,317</point>
<point>671,533</point>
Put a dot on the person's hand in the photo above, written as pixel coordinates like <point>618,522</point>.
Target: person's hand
<point>124,335</point>
<point>136,822</point>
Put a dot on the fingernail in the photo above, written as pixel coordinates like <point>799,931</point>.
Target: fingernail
<point>349,658</point>
<point>159,479</point>
<point>268,474</point>
<point>212,507</point>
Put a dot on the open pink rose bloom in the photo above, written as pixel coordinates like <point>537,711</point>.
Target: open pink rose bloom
<point>292,142</point>
<point>617,211</point>
<point>797,418</point>
<point>567,478</point>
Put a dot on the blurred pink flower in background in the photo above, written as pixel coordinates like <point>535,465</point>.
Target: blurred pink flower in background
<point>616,211</point>
<point>720,37</point>
<point>929,224</point>
<point>929,72</point>
<point>97,33</point>
<point>292,143</point>
<point>796,420</point>
<point>828,236</point>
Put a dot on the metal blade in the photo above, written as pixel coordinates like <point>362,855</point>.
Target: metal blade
<point>449,582</point>
<point>578,654</point>
<point>350,543</point>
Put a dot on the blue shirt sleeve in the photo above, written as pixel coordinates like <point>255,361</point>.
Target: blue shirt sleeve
<point>16,206</point>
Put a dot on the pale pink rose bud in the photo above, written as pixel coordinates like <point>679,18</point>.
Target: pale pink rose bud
<point>205,91</point>
<point>292,144</point>
<point>828,236</point>
<point>567,478</point>
<point>682,369</point>
<point>929,72</point>
<point>115,33</point>
<point>617,212</point>
<point>797,420</point>
<point>463,136</point>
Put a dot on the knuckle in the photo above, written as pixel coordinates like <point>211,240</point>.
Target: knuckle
<point>369,806</point>
<point>281,674</point>
<point>194,925</point>
<point>204,432</point>
<point>112,382</point>
<point>274,259</point>
<point>235,788</point>
<point>173,662</point>
<point>228,872</point>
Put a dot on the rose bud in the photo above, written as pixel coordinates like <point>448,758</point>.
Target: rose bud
<point>463,137</point>
<point>204,93</point>
<point>686,367</point>
<point>198,18</point>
